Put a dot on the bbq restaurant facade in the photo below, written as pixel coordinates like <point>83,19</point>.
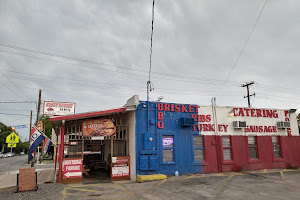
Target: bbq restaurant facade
<point>162,138</point>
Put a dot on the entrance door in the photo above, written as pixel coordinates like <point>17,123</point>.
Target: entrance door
<point>184,152</point>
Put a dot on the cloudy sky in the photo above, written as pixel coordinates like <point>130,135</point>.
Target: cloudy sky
<point>96,53</point>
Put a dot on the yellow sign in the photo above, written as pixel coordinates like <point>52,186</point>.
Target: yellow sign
<point>12,138</point>
<point>11,145</point>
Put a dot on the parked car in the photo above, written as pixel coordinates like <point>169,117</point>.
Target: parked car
<point>9,154</point>
<point>5,155</point>
<point>22,154</point>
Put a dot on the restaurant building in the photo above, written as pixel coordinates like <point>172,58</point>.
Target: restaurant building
<point>162,138</point>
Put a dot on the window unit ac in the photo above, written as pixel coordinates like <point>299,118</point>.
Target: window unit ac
<point>187,122</point>
<point>283,125</point>
<point>239,124</point>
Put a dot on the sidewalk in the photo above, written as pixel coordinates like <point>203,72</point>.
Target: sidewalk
<point>8,180</point>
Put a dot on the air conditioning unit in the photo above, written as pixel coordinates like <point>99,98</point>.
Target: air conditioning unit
<point>187,121</point>
<point>239,124</point>
<point>283,125</point>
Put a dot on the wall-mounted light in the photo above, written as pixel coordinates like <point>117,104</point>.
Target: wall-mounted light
<point>231,114</point>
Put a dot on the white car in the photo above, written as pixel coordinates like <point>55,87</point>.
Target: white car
<point>9,154</point>
<point>22,154</point>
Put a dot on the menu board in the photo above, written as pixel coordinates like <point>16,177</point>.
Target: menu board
<point>120,168</point>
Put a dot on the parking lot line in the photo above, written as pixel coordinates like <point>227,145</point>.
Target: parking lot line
<point>220,187</point>
<point>284,179</point>
<point>125,190</point>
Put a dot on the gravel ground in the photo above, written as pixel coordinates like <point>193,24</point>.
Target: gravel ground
<point>45,191</point>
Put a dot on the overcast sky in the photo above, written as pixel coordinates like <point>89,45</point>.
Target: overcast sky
<point>195,46</point>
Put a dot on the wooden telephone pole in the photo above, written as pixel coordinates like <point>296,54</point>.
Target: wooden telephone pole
<point>37,121</point>
<point>248,95</point>
<point>29,136</point>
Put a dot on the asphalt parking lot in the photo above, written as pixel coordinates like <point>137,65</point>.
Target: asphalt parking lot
<point>256,185</point>
<point>275,184</point>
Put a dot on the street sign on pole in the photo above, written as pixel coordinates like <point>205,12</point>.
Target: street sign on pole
<point>12,138</point>
<point>11,145</point>
<point>20,126</point>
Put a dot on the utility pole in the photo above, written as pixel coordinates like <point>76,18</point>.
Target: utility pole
<point>248,95</point>
<point>29,136</point>
<point>37,120</point>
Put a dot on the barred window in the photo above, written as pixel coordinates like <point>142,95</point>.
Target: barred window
<point>226,148</point>
<point>252,144</point>
<point>276,146</point>
<point>198,147</point>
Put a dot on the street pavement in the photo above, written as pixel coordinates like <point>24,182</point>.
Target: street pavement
<point>255,185</point>
<point>9,168</point>
<point>13,164</point>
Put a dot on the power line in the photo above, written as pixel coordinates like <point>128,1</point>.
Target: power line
<point>13,114</point>
<point>67,57</point>
<point>12,90</point>
<point>18,102</point>
<point>15,120</point>
<point>244,46</point>
<point>12,81</point>
<point>171,76</point>
<point>95,86</point>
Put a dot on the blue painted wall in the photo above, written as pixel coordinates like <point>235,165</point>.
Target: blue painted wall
<point>149,156</point>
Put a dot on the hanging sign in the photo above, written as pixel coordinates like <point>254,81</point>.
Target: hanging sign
<point>98,127</point>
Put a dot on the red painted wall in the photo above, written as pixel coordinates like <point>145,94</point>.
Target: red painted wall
<point>214,162</point>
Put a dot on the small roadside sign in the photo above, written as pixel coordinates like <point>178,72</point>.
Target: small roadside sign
<point>11,145</point>
<point>12,138</point>
<point>72,168</point>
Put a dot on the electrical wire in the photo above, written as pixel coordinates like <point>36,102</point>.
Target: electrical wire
<point>13,114</point>
<point>241,52</point>
<point>158,76</point>
<point>95,86</point>
<point>67,57</point>
<point>12,81</point>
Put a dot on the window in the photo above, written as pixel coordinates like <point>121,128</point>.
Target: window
<point>226,148</point>
<point>198,147</point>
<point>276,146</point>
<point>252,147</point>
<point>168,146</point>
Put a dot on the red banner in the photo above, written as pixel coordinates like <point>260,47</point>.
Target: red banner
<point>98,127</point>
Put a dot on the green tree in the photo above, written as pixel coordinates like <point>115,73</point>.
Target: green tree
<point>47,126</point>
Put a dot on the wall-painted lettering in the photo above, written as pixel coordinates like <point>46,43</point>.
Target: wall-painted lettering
<point>261,129</point>
<point>160,124</point>
<point>160,115</point>
<point>255,112</point>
